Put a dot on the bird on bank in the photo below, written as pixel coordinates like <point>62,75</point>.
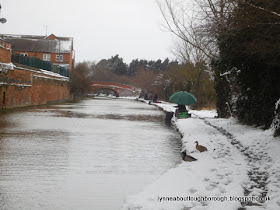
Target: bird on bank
<point>200,148</point>
<point>186,157</point>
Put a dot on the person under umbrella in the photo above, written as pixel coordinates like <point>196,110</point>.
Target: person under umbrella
<point>180,109</point>
<point>182,98</point>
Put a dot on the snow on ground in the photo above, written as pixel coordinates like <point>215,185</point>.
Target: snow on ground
<point>261,150</point>
<point>242,163</point>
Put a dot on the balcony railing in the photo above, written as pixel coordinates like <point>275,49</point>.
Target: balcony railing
<point>39,64</point>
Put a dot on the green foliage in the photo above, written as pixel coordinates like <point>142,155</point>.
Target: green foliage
<point>250,53</point>
<point>79,80</point>
<point>223,91</point>
<point>241,41</point>
<point>194,78</point>
<point>116,65</point>
<point>276,121</point>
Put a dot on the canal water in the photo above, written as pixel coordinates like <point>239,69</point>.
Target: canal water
<point>91,154</point>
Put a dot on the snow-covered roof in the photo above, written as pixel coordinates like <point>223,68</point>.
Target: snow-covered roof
<point>31,43</point>
<point>6,66</point>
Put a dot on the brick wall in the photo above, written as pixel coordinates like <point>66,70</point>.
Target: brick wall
<point>24,87</point>
<point>5,52</point>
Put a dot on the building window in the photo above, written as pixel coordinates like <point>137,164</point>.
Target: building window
<point>46,57</point>
<point>24,54</point>
<point>59,58</point>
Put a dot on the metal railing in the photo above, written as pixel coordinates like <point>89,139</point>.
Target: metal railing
<point>39,64</point>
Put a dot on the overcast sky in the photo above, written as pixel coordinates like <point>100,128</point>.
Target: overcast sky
<point>100,28</point>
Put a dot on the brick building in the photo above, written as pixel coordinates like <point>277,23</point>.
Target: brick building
<point>57,50</point>
<point>5,51</point>
<point>25,86</point>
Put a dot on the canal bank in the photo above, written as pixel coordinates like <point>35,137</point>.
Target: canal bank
<point>239,171</point>
<point>195,179</point>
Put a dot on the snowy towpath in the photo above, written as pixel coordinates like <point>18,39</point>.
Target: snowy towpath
<point>261,151</point>
<point>241,163</point>
<point>257,186</point>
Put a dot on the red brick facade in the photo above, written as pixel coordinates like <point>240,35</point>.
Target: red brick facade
<point>37,46</point>
<point>21,87</point>
<point>5,52</point>
<point>66,57</point>
<point>52,36</point>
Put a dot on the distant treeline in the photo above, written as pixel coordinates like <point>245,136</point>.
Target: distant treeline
<point>116,65</point>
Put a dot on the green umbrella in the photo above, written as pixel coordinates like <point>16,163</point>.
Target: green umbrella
<point>183,98</point>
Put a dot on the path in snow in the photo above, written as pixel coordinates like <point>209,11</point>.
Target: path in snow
<point>261,150</point>
<point>258,177</point>
<point>241,161</point>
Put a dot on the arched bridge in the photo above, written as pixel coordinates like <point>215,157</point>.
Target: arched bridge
<point>118,89</point>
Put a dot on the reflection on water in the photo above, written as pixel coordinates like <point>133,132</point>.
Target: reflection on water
<point>85,155</point>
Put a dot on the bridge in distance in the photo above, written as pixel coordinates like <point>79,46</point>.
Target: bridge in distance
<point>118,89</point>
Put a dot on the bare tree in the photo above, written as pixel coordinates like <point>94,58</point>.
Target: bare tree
<point>197,24</point>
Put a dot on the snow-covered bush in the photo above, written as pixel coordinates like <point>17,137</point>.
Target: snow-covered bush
<point>276,122</point>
